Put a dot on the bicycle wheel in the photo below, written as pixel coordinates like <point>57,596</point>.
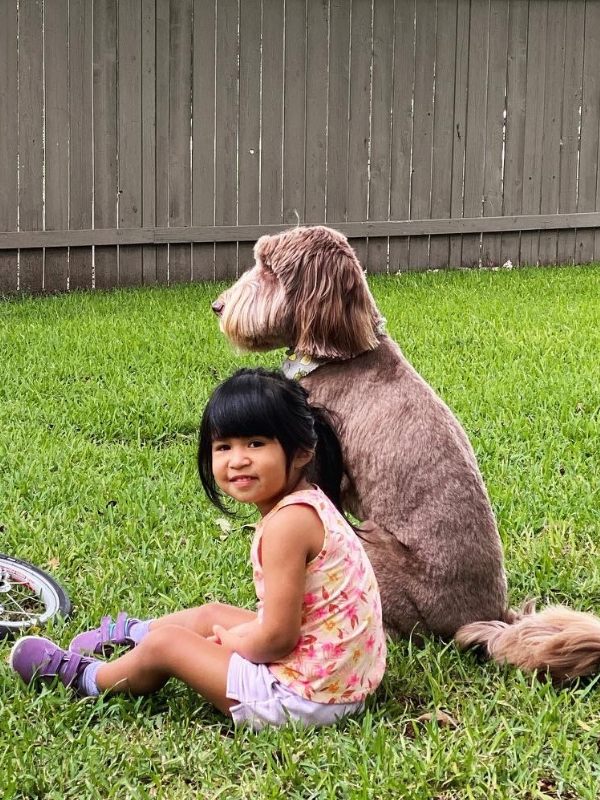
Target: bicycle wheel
<point>29,597</point>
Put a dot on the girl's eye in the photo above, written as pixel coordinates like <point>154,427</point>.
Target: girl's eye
<point>219,448</point>
<point>256,443</point>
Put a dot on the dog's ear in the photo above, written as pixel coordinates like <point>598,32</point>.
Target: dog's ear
<point>262,250</point>
<point>334,314</point>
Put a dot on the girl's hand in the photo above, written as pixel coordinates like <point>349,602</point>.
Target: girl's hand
<point>241,631</point>
<point>227,638</point>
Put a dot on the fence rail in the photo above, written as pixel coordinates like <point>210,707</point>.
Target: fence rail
<point>150,141</point>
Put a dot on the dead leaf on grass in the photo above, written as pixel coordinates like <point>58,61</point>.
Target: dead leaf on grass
<point>53,563</point>
<point>443,720</point>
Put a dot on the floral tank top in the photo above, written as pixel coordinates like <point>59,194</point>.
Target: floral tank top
<point>340,655</point>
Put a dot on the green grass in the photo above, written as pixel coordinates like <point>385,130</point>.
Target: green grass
<point>100,399</point>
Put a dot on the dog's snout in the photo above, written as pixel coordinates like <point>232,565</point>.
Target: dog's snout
<point>218,306</point>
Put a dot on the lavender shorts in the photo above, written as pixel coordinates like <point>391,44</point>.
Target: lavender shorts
<point>263,700</point>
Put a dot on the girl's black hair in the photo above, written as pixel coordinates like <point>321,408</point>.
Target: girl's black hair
<point>256,402</point>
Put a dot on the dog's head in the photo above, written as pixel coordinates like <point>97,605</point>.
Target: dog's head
<point>306,291</point>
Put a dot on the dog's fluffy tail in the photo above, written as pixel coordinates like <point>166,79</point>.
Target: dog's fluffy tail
<point>562,643</point>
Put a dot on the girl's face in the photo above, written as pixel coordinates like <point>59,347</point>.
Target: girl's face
<point>253,470</point>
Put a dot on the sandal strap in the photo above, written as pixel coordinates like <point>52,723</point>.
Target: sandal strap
<point>120,632</point>
<point>68,670</point>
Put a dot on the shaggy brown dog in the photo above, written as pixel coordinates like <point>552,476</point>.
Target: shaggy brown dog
<point>412,476</point>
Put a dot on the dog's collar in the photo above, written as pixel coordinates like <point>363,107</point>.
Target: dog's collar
<point>298,365</point>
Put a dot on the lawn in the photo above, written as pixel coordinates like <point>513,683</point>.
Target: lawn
<point>100,399</point>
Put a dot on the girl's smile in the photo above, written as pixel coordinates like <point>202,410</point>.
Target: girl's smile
<point>254,470</point>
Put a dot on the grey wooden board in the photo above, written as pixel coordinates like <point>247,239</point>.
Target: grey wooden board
<point>402,127</point>
<point>203,131</point>
<point>9,141</point>
<point>105,121</point>
<point>56,160</point>
<point>249,122</point>
<point>552,124</point>
<point>475,130</point>
<point>516,82</point>
<point>227,103</point>
<point>460,124</point>
<point>80,136</point>
<point>443,128</point>
<point>420,188</point>
<point>162,123</point>
<point>316,109</point>
<point>491,244</point>
<point>180,130</point>
<point>148,157</point>
<point>534,109</point>
<point>361,38</point>
<point>31,104</point>
<point>294,112</point>
<point>381,129</point>
<point>589,143</point>
<point>571,103</point>
<point>337,111</point>
<point>271,171</point>
<point>250,233</point>
<point>130,136</point>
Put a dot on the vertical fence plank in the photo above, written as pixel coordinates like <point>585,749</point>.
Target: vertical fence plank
<point>271,175</point>
<point>31,105</point>
<point>130,137</point>
<point>227,103</point>
<point>534,108</point>
<point>420,201</point>
<point>80,132</point>
<point>337,122</point>
<point>593,23</point>
<point>249,122</point>
<point>294,112</point>
<point>56,161</point>
<point>590,114</point>
<point>516,81</point>
<point>203,127</point>
<point>180,121</point>
<point>105,138</point>
<point>361,42</point>
<point>441,175</point>
<point>148,68</point>
<point>402,127</point>
<point>8,141</point>
<point>461,74</point>
<point>551,122</point>
<point>381,109</point>
<point>491,243</point>
<point>571,103</point>
<point>162,32</point>
<point>475,133</point>
<point>316,109</point>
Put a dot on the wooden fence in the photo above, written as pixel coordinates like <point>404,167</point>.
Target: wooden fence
<point>147,141</point>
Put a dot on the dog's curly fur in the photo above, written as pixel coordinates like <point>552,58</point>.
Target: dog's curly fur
<point>411,474</point>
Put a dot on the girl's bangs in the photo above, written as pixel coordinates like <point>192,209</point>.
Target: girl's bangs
<point>242,415</point>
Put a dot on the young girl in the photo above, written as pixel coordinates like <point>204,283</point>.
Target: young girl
<point>315,647</point>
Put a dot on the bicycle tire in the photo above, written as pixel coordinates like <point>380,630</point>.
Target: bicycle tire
<point>29,597</point>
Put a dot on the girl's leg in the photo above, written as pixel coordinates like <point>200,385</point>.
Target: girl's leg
<point>130,632</point>
<point>171,651</point>
<point>201,619</point>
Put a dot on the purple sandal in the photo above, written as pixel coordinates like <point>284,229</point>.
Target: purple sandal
<point>37,659</point>
<point>103,640</point>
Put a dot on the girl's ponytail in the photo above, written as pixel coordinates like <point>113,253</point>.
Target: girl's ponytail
<point>326,469</point>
